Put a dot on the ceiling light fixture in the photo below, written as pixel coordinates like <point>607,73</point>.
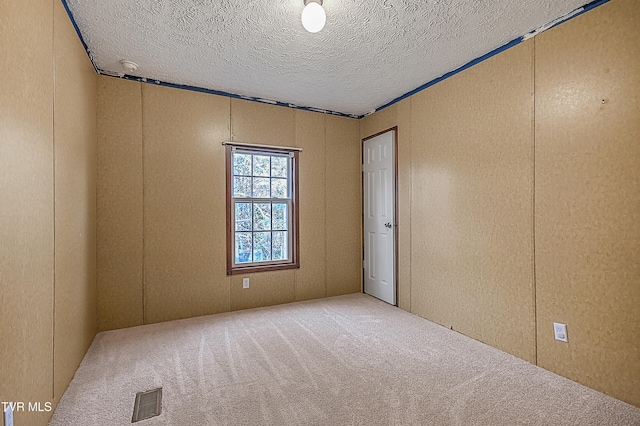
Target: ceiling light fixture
<point>313,16</point>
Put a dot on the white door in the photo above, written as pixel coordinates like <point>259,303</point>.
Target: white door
<point>379,200</point>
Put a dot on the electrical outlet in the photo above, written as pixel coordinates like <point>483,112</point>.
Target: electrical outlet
<point>245,283</point>
<point>560,331</point>
<point>8,416</point>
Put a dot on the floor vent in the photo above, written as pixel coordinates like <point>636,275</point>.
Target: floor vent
<point>148,404</point>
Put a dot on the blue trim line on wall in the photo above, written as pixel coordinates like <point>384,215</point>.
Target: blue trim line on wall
<point>577,12</point>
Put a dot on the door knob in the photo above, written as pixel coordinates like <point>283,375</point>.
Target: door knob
<point>387,225</point>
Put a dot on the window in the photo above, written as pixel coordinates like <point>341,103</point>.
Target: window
<point>262,209</point>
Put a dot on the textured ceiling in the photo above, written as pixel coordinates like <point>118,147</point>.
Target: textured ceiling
<point>369,53</point>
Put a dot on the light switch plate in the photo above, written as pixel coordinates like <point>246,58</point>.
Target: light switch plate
<point>560,331</point>
<point>245,283</point>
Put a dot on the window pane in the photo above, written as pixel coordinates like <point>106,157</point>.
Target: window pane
<point>243,247</point>
<point>263,211</point>
<point>280,216</point>
<point>261,246</point>
<point>261,165</point>
<point>241,187</point>
<point>261,188</point>
<point>242,164</point>
<point>279,188</point>
<point>280,245</point>
<point>243,217</point>
<point>262,216</point>
<point>279,166</point>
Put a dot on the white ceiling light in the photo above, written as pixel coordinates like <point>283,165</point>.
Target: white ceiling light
<point>313,16</point>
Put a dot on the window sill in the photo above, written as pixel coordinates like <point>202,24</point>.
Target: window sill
<point>261,268</point>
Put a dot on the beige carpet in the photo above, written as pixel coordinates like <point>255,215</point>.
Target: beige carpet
<point>349,360</point>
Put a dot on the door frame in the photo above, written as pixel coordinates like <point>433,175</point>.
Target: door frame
<point>393,129</point>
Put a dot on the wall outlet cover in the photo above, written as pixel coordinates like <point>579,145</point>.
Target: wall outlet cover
<point>560,331</point>
<point>245,283</point>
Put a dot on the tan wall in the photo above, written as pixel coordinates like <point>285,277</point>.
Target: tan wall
<point>343,200</point>
<point>47,214</point>
<point>161,203</point>
<point>75,200</point>
<point>184,208</point>
<point>26,210</point>
<point>473,156</point>
<point>472,241</point>
<point>587,209</point>
<point>119,207</point>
